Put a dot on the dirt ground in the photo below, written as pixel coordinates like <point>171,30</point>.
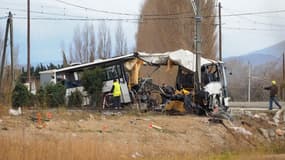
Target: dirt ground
<point>77,134</point>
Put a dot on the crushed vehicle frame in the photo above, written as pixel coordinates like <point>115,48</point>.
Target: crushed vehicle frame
<point>70,76</point>
<point>212,96</point>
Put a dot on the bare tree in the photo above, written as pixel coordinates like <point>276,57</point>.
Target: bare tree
<point>260,76</point>
<point>83,47</point>
<point>9,76</point>
<point>271,71</point>
<point>92,45</point>
<point>15,49</point>
<point>121,42</point>
<point>71,58</point>
<point>175,30</point>
<point>209,34</point>
<point>109,45</point>
<point>85,41</point>
<point>89,43</point>
<point>237,80</point>
<point>104,45</point>
<point>64,59</point>
<point>77,45</point>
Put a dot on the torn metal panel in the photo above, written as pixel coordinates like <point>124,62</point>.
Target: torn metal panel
<point>133,66</point>
<point>113,69</point>
<point>97,62</point>
<point>180,57</point>
<point>213,88</point>
<point>153,58</point>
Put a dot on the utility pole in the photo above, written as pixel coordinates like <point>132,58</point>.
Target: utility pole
<point>4,51</point>
<point>220,33</point>
<point>197,41</point>
<point>283,73</point>
<point>283,77</point>
<point>8,25</point>
<point>12,49</point>
<point>249,78</point>
<point>28,45</point>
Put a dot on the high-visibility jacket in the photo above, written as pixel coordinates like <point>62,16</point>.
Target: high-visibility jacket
<point>117,89</point>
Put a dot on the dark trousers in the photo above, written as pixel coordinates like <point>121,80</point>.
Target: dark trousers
<point>273,99</point>
<point>117,101</point>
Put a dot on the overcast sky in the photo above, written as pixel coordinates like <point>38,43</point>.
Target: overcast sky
<point>241,34</point>
<point>47,36</point>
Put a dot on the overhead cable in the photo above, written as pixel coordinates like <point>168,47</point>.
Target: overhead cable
<point>119,13</point>
<point>42,12</point>
<point>252,29</point>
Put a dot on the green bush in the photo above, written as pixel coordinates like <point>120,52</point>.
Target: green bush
<point>31,99</point>
<point>92,81</point>
<point>55,95</point>
<point>75,99</point>
<point>41,97</point>
<point>20,96</point>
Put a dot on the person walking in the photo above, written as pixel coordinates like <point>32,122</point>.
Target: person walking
<point>273,95</point>
<point>116,90</point>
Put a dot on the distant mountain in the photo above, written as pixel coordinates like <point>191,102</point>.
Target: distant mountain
<point>262,56</point>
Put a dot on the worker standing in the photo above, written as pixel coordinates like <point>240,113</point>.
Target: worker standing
<point>116,90</point>
<point>273,95</point>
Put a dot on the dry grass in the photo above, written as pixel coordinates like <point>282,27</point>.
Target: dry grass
<point>80,135</point>
<point>34,147</point>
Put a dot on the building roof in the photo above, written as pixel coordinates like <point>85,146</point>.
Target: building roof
<point>90,64</point>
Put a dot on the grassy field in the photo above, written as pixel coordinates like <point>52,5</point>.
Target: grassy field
<point>77,135</point>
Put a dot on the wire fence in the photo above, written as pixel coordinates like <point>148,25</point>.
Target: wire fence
<point>254,94</point>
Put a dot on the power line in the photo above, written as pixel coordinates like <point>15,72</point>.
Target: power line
<point>80,18</point>
<point>42,12</point>
<point>139,21</point>
<point>103,19</point>
<point>77,19</point>
<point>119,13</point>
<point>124,13</point>
<point>252,29</point>
<point>253,22</point>
<point>96,10</point>
<point>259,22</point>
<point>248,13</point>
<point>258,15</point>
<point>146,15</point>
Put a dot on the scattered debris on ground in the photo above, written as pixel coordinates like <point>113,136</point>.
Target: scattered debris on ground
<point>188,133</point>
<point>15,112</point>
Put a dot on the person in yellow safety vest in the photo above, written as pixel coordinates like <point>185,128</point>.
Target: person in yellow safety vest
<point>116,90</point>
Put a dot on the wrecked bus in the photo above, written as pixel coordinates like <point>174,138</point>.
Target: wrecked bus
<point>71,76</point>
<point>212,95</point>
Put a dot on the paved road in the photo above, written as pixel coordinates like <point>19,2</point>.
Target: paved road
<point>253,105</point>
<point>237,108</point>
